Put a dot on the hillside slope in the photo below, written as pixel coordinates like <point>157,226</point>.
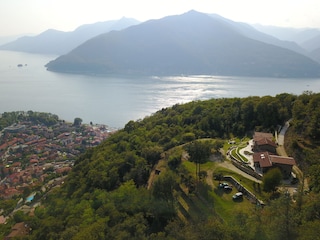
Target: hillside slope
<point>105,194</point>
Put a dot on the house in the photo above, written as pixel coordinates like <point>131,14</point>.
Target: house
<point>18,230</point>
<point>265,161</point>
<point>285,164</point>
<point>263,142</point>
<point>262,161</point>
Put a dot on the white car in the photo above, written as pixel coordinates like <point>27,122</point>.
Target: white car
<point>238,195</point>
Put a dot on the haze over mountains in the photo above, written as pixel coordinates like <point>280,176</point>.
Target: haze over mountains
<point>308,39</point>
<point>58,42</point>
<point>191,43</point>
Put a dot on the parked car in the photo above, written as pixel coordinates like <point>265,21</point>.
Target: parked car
<point>223,185</point>
<point>238,195</point>
<point>227,188</point>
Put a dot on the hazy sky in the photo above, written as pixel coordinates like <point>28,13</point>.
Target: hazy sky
<point>36,16</point>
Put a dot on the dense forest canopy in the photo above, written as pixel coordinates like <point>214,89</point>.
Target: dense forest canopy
<point>8,118</point>
<point>106,196</point>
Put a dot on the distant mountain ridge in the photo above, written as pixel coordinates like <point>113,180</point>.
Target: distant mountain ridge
<point>298,35</point>
<point>251,32</point>
<point>59,42</point>
<point>191,43</point>
<point>307,38</point>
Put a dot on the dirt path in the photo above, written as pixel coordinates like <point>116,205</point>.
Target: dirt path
<point>209,178</point>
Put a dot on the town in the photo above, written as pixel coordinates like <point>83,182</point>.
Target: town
<point>33,154</point>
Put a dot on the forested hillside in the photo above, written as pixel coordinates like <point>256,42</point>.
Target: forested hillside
<point>106,195</point>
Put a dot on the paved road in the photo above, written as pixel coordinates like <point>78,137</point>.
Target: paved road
<point>227,164</point>
<point>280,139</point>
<point>282,152</point>
<point>282,133</point>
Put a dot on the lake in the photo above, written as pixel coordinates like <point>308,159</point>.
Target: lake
<point>116,100</point>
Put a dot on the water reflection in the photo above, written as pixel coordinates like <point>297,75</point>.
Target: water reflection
<point>114,100</point>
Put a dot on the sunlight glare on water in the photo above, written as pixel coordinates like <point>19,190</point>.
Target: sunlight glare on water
<point>115,100</point>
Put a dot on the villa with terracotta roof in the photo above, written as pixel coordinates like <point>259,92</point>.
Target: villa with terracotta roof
<point>265,155</point>
<point>265,160</point>
<point>263,142</point>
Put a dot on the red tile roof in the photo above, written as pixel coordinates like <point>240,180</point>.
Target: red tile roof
<point>261,135</point>
<point>282,160</point>
<point>263,158</point>
<point>266,159</point>
<point>265,141</point>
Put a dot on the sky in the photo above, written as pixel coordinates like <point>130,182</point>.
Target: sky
<point>35,16</point>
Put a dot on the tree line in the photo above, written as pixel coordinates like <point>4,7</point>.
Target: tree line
<point>9,118</point>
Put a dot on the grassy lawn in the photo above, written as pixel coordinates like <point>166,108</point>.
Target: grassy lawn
<point>236,153</point>
<point>213,197</point>
<point>191,167</point>
<point>243,158</point>
<point>249,184</point>
<point>226,207</point>
<point>209,200</point>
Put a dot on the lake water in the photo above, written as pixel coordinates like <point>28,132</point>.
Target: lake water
<point>116,100</point>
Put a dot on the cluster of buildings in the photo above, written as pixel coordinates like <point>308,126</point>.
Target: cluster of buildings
<point>30,153</point>
<point>265,155</point>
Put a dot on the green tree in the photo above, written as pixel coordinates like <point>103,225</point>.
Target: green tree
<point>93,231</point>
<point>309,230</point>
<point>217,145</point>
<point>77,122</point>
<point>187,137</point>
<point>199,151</point>
<point>311,207</point>
<point>314,174</point>
<point>152,154</point>
<point>271,180</point>
<point>163,208</point>
<point>280,219</point>
<point>164,185</point>
<point>174,160</point>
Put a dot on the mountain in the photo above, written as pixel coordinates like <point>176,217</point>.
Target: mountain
<point>298,35</point>
<point>59,42</point>
<point>312,44</point>
<point>307,38</point>
<point>48,42</point>
<point>191,43</point>
<point>7,39</point>
<point>315,54</point>
<point>251,32</point>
